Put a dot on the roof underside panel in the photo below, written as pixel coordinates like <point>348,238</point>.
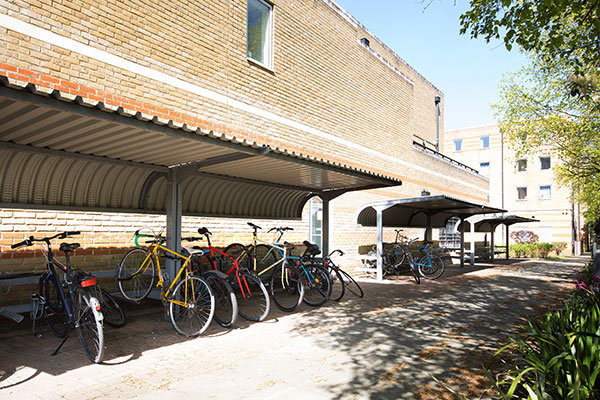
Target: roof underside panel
<point>76,156</point>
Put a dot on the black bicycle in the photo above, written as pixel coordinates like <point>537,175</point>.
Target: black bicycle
<point>341,280</point>
<point>70,300</point>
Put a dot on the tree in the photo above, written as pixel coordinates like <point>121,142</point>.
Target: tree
<point>565,29</point>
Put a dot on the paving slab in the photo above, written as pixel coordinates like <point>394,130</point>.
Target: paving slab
<point>387,345</point>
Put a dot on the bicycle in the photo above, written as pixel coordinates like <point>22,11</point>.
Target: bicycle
<point>285,286</point>
<point>254,301</point>
<point>430,266</point>
<point>317,280</point>
<point>394,256</point>
<point>226,305</point>
<point>70,303</point>
<point>341,280</point>
<point>190,298</point>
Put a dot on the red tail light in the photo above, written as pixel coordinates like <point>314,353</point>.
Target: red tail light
<point>88,282</point>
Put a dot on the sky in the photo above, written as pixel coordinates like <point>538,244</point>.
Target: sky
<point>466,70</point>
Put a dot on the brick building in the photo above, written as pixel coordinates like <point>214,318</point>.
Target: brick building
<point>523,186</point>
<point>304,77</point>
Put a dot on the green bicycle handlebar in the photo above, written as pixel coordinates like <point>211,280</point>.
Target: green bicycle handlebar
<point>142,235</point>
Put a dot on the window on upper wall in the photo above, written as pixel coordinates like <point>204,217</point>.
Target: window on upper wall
<point>457,144</point>
<point>544,162</point>
<point>260,32</point>
<point>522,193</point>
<point>484,168</point>
<point>484,142</point>
<point>522,165</point>
<point>545,192</point>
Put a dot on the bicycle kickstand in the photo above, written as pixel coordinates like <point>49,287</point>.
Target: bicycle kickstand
<point>61,343</point>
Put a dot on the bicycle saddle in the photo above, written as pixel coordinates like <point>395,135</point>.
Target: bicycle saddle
<point>66,247</point>
<point>311,249</point>
<point>254,226</point>
<point>204,231</point>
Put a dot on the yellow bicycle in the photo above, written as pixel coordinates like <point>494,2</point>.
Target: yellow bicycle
<point>191,301</point>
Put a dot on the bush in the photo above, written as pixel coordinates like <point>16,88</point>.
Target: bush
<point>519,250</point>
<point>543,249</point>
<point>531,250</point>
<point>559,247</point>
<point>524,236</point>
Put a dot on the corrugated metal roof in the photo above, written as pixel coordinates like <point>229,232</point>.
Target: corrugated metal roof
<point>61,152</point>
<point>413,212</point>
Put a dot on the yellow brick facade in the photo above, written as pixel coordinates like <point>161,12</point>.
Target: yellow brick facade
<point>327,95</point>
<point>558,216</point>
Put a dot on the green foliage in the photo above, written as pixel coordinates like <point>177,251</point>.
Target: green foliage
<point>558,29</point>
<point>531,250</point>
<point>559,247</point>
<point>524,236</point>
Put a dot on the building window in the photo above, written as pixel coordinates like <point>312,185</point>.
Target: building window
<point>545,192</point>
<point>484,168</point>
<point>484,142</point>
<point>544,162</point>
<point>522,165</point>
<point>259,32</point>
<point>521,193</point>
<point>457,144</point>
<point>316,222</point>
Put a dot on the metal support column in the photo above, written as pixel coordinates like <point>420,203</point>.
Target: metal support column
<point>472,223</point>
<point>492,250</point>
<point>325,227</point>
<point>379,211</point>
<point>429,229</point>
<point>506,241</point>
<point>462,242</point>
<point>173,205</point>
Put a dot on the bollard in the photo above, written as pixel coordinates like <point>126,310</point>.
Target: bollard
<point>597,263</point>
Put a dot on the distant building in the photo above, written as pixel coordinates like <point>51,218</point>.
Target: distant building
<point>522,185</point>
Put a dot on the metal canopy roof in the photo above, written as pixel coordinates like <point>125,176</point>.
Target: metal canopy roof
<point>487,224</point>
<point>414,212</point>
<point>64,153</point>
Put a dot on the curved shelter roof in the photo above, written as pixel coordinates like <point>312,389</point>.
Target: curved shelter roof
<point>60,152</point>
<point>488,224</point>
<point>414,212</point>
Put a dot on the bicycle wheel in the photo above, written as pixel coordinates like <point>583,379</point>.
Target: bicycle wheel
<point>226,306</point>
<point>317,285</point>
<point>253,303</point>
<point>338,287</point>
<point>111,311</point>
<point>265,257</point>
<point>433,270</point>
<point>286,287</point>
<point>54,312</point>
<point>351,285</point>
<point>192,306</point>
<point>415,271</point>
<point>136,275</point>
<point>240,253</point>
<point>88,322</point>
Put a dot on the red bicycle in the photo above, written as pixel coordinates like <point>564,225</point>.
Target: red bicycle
<point>253,298</point>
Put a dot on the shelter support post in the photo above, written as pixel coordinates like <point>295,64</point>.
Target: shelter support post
<point>472,238</point>
<point>462,242</point>
<point>492,250</point>
<point>379,211</point>
<point>506,238</point>
<point>173,205</point>
<point>429,229</point>
<point>325,227</point>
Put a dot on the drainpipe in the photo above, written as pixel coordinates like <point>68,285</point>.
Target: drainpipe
<point>437,123</point>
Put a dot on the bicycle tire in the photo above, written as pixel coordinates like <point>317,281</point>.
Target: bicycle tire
<point>338,287</point>
<point>54,312</point>
<point>192,306</point>
<point>111,311</point>
<point>88,322</point>
<point>240,253</point>
<point>286,287</point>
<point>317,285</point>
<point>433,271</point>
<point>134,279</point>
<point>350,284</point>
<point>415,272</point>
<point>226,306</point>
<point>254,303</point>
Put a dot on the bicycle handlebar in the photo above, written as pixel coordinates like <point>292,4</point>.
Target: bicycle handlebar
<point>336,251</point>
<point>281,229</point>
<point>192,238</point>
<point>29,242</point>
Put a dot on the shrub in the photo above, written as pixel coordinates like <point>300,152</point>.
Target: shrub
<point>559,247</point>
<point>519,250</point>
<point>524,236</point>
<point>543,249</point>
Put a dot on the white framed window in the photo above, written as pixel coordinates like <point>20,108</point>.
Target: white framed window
<point>316,222</point>
<point>522,193</point>
<point>259,30</point>
<point>484,142</point>
<point>545,163</point>
<point>522,165</point>
<point>545,192</point>
<point>457,144</point>
<point>484,168</point>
